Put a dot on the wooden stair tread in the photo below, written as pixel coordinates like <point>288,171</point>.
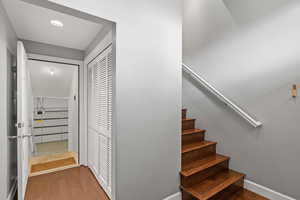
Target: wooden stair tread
<point>188,119</point>
<point>214,184</point>
<point>196,145</point>
<point>244,194</point>
<point>202,164</point>
<point>193,131</point>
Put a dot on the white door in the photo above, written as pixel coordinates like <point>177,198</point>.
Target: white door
<point>100,118</point>
<point>24,124</point>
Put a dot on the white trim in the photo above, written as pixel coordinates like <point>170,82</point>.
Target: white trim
<point>12,192</point>
<point>3,120</point>
<point>266,192</point>
<point>176,196</point>
<point>100,47</point>
<point>82,146</point>
<point>101,181</point>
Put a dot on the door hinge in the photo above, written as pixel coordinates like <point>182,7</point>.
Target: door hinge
<point>12,137</point>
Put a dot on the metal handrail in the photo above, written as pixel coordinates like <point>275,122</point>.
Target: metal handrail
<point>221,97</point>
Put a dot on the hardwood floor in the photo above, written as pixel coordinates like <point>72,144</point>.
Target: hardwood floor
<point>71,184</point>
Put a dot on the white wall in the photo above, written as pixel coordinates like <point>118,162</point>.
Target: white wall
<point>73,114</point>
<point>44,84</point>
<point>210,20</point>
<point>8,40</point>
<point>256,67</point>
<point>148,93</point>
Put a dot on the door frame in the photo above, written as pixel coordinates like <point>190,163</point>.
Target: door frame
<point>4,121</point>
<point>81,108</point>
<point>13,189</point>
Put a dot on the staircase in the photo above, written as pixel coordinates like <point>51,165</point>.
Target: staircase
<point>205,175</point>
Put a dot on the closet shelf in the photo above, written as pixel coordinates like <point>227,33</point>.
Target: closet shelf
<point>50,126</point>
<point>53,111</point>
<point>51,134</point>
<point>37,119</point>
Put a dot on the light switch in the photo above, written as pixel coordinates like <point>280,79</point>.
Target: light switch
<point>294,91</point>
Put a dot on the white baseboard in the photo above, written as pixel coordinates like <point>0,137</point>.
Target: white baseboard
<point>12,192</point>
<point>176,196</point>
<point>266,192</point>
<point>249,185</point>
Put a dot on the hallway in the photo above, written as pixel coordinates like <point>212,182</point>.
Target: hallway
<point>71,184</point>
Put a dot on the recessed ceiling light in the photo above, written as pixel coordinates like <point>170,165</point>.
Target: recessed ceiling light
<point>51,72</point>
<point>57,23</point>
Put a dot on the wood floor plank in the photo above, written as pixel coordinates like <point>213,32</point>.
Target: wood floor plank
<point>72,184</point>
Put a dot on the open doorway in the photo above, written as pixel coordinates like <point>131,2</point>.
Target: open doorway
<point>64,101</point>
<point>55,110</point>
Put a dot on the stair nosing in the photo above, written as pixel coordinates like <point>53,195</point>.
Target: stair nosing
<point>187,119</point>
<point>209,143</point>
<point>193,131</point>
<point>220,187</point>
<point>223,159</point>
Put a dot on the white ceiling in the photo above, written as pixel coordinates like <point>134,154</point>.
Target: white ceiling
<point>33,23</point>
<point>44,84</point>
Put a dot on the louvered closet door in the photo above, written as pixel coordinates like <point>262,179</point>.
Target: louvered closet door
<point>100,117</point>
<point>93,149</point>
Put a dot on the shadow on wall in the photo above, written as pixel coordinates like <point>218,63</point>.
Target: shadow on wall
<point>244,11</point>
<point>262,53</point>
